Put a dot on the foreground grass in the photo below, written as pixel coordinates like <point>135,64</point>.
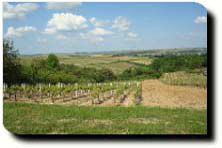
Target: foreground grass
<point>24,118</point>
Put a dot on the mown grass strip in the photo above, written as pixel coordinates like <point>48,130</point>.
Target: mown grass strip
<point>24,118</point>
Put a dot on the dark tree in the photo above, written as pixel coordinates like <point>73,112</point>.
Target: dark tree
<point>11,65</point>
<point>36,65</point>
<point>52,62</point>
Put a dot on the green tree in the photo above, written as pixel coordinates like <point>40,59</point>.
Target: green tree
<point>107,74</point>
<point>35,66</point>
<point>52,62</point>
<point>11,65</point>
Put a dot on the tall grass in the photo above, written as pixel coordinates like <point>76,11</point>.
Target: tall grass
<point>184,78</point>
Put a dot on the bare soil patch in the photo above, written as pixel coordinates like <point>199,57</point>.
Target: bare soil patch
<point>156,93</point>
<point>129,100</point>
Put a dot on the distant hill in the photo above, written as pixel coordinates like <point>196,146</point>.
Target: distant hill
<point>142,53</point>
<point>164,52</point>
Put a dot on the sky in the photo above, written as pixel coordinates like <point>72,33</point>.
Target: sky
<point>93,27</point>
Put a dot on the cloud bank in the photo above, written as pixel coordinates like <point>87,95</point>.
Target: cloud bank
<point>62,6</point>
<point>20,31</point>
<point>65,22</point>
<point>18,11</point>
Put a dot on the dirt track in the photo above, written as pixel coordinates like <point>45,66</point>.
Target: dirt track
<point>156,93</point>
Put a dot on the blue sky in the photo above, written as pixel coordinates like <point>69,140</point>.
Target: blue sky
<point>90,27</point>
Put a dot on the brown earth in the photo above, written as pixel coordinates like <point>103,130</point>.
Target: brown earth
<point>129,100</point>
<point>156,93</point>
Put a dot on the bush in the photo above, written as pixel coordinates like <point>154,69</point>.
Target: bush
<point>139,73</point>
<point>52,62</point>
<point>177,63</point>
<point>40,72</point>
<point>164,64</point>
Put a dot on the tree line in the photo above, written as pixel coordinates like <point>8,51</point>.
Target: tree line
<point>50,70</point>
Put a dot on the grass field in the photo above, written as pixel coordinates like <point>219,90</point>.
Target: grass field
<point>117,64</point>
<point>25,118</point>
<point>184,78</point>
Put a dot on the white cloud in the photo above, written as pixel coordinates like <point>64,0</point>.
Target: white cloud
<point>20,31</point>
<point>121,23</point>
<point>62,5</point>
<point>201,20</point>
<point>65,22</point>
<point>61,37</point>
<point>97,23</point>
<point>132,35</point>
<point>92,38</point>
<point>18,11</point>
<point>100,32</point>
<point>96,35</point>
<point>49,31</point>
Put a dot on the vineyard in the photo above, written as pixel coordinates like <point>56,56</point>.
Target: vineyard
<point>139,70</point>
<point>76,94</point>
